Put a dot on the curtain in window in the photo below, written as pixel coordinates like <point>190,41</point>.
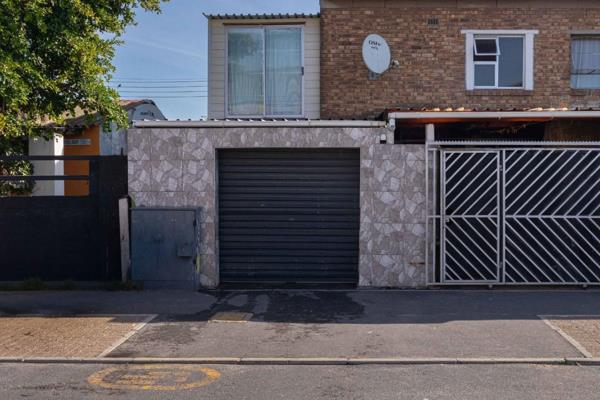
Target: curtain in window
<point>245,60</point>
<point>585,59</point>
<point>283,65</point>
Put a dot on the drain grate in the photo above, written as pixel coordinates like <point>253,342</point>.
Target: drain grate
<point>231,316</point>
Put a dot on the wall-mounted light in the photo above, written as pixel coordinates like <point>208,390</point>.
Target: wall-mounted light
<point>383,138</point>
<point>392,124</point>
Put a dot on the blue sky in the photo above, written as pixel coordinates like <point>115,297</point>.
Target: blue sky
<point>164,56</point>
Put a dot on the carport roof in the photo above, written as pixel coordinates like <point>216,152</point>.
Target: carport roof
<point>516,114</point>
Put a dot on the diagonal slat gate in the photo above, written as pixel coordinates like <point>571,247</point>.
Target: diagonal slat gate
<point>552,206</point>
<point>515,216</point>
<point>470,205</point>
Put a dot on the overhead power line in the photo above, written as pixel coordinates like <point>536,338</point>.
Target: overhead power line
<point>137,78</point>
<point>156,83</point>
<point>165,92</point>
<point>126,86</point>
<point>157,80</point>
<point>165,97</point>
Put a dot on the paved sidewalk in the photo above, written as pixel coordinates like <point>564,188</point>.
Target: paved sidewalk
<point>74,336</point>
<point>330,323</point>
<point>583,332</point>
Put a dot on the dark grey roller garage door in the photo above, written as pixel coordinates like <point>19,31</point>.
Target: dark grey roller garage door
<point>289,215</point>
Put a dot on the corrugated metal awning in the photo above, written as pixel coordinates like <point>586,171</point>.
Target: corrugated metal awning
<point>457,114</point>
<point>460,109</point>
<point>261,16</point>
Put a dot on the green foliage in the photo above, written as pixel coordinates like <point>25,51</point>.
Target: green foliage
<point>14,146</point>
<point>34,283</point>
<point>117,286</point>
<point>56,57</point>
<point>68,285</point>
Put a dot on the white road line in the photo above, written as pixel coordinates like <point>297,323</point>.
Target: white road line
<point>136,329</point>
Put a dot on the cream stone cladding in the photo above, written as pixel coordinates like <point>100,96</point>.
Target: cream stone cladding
<point>175,167</point>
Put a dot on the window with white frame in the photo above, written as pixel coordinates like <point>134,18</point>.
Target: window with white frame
<point>499,59</point>
<point>585,62</point>
<point>265,71</point>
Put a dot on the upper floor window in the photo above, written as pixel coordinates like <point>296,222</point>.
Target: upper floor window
<point>265,71</point>
<point>499,59</point>
<point>585,62</point>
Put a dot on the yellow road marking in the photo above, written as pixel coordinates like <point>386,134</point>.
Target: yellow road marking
<point>154,377</point>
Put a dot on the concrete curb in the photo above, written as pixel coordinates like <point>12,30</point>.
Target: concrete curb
<point>583,361</point>
<point>306,361</point>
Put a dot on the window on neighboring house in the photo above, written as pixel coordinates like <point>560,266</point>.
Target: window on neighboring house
<point>499,59</point>
<point>265,71</point>
<point>585,62</point>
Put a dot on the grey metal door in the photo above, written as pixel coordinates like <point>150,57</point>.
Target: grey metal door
<point>163,247</point>
<point>470,216</point>
<point>289,215</point>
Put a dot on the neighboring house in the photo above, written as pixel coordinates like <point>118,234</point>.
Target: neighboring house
<point>85,136</point>
<point>355,184</point>
<point>481,56</point>
<point>50,147</point>
<point>102,138</point>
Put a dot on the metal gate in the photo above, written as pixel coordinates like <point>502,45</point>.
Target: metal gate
<point>513,214</point>
<point>470,227</point>
<point>59,238</point>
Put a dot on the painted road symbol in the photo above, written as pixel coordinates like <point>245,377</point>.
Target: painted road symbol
<point>154,377</point>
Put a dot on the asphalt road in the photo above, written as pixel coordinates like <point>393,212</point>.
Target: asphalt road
<point>220,382</point>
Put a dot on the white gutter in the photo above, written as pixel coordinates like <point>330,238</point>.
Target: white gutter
<point>493,114</point>
<point>261,124</point>
<point>491,143</point>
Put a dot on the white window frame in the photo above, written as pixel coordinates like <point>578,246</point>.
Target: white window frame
<point>483,37</point>
<point>263,28</point>
<point>528,57</point>
<point>574,36</point>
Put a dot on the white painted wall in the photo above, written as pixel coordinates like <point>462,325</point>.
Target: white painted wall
<point>146,112</point>
<point>51,147</point>
<point>216,63</point>
<point>113,142</point>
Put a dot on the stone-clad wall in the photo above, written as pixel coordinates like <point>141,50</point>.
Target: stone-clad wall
<point>176,168</point>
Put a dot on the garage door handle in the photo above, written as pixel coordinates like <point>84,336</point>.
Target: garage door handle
<point>185,251</point>
<point>159,239</point>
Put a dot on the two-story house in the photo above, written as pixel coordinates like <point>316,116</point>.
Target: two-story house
<point>312,169</point>
<point>460,61</point>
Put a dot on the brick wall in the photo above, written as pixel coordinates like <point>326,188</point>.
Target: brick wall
<point>432,58</point>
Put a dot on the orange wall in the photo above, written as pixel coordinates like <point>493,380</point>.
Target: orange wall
<point>81,188</point>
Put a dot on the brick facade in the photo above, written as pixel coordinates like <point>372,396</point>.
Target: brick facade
<point>432,57</point>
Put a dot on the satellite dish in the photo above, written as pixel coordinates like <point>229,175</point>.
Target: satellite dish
<point>376,54</point>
